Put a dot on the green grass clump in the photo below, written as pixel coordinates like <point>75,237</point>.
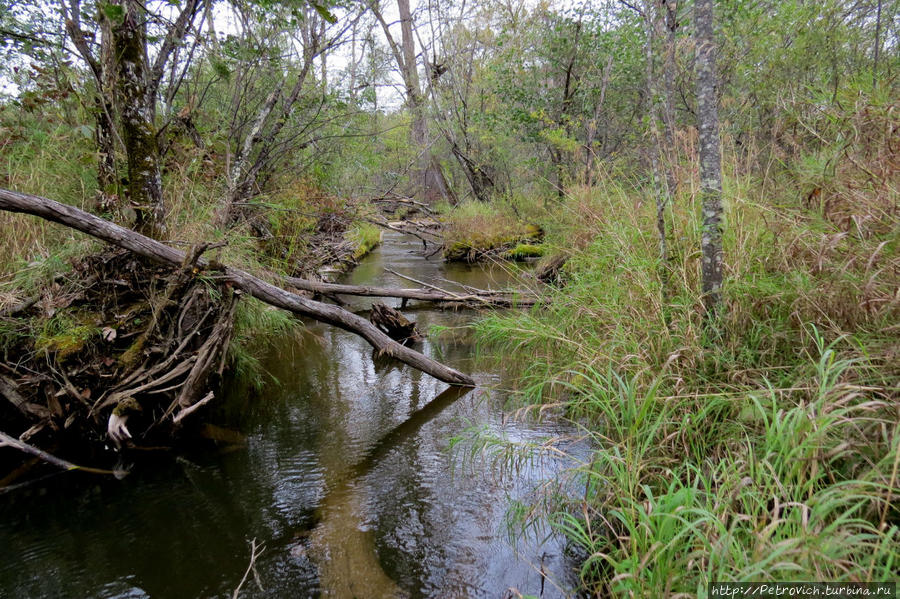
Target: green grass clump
<point>765,448</point>
<point>64,335</point>
<point>525,250</point>
<point>255,323</point>
<point>476,227</point>
<point>367,237</point>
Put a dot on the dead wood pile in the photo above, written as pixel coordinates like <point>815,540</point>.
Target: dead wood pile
<point>121,346</point>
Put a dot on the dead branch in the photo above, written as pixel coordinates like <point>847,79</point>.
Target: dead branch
<point>429,293</point>
<point>8,441</point>
<point>20,307</point>
<point>421,234</point>
<point>9,390</point>
<point>395,324</point>
<point>149,248</point>
<point>406,201</point>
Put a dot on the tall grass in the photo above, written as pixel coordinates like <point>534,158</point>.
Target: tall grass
<point>43,156</point>
<point>767,453</point>
<point>475,226</point>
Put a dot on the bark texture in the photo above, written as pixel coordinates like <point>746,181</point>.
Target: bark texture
<point>138,129</point>
<point>710,157</point>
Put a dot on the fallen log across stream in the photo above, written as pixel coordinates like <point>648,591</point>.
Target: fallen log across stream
<point>480,298</point>
<point>13,201</point>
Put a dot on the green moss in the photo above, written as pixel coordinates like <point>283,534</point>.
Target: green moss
<point>64,336</point>
<point>525,250</point>
<point>129,356</point>
<point>533,232</point>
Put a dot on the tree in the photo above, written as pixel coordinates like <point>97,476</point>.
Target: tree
<point>660,111</point>
<point>101,64</point>
<point>258,145</point>
<point>137,109</point>
<point>710,157</point>
<point>127,84</point>
<point>457,54</point>
<point>431,176</point>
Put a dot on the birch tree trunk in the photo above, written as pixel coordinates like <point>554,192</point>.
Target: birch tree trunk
<point>138,129</point>
<point>710,157</point>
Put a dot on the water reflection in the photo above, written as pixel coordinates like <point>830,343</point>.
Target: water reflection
<point>346,477</point>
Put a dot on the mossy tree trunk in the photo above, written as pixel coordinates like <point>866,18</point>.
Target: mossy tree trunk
<point>138,129</point>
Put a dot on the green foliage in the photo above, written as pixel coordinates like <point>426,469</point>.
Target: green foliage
<point>367,237</point>
<point>114,12</point>
<point>768,455</point>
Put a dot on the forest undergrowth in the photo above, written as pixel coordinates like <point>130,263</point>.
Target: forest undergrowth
<point>762,445</point>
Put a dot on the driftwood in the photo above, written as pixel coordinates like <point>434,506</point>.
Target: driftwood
<point>144,246</point>
<point>408,228</point>
<point>20,307</point>
<point>392,322</point>
<point>398,200</point>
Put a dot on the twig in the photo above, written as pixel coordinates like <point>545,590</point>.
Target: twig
<point>255,552</point>
<point>391,227</point>
<point>423,283</point>
<point>398,200</point>
<point>190,410</point>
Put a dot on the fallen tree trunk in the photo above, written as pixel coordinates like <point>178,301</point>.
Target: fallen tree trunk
<point>79,220</point>
<point>498,299</point>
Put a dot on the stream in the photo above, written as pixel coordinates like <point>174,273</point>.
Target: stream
<point>346,475</point>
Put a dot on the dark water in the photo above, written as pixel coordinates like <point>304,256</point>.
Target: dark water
<point>346,476</point>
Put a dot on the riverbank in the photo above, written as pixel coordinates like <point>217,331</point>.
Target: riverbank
<point>763,444</point>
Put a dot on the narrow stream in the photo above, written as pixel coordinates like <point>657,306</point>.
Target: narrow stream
<point>346,476</point>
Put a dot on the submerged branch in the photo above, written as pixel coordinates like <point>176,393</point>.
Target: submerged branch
<point>8,441</point>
